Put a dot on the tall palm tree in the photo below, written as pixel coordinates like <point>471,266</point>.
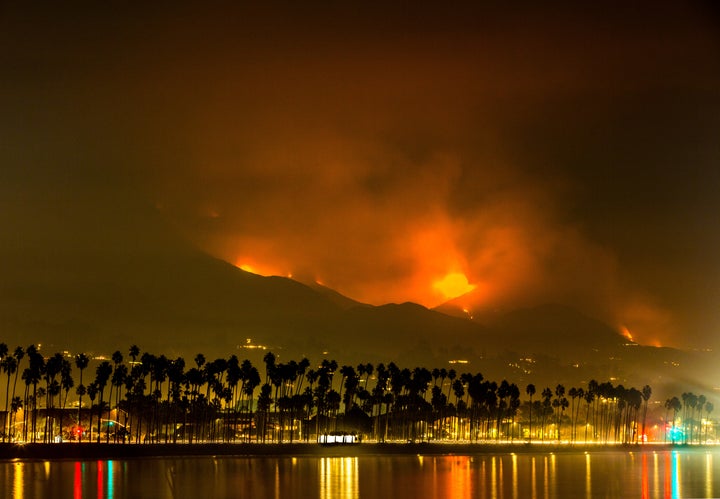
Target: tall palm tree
<point>81,362</point>
<point>350,382</point>
<point>36,369</point>
<point>176,376</point>
<point>369,369</point>
<point>15,405</point>
<point>589,398</point>
<point>302,368</point>
<point>66,383</point>
<point>19,353</point>
<point>3,364</point>
<point>646,393</point>
<point>530,390</point>
<point>119,377</point>
<point>264,404</point>
<point>134,352</point>
<point>692,401</point>
<point>102,376</point>
<point>560,399</point>
<point>709,407</point>
<point>9,367</point>
<point>700,405</point>
<point>547,407</point>
<point>52,388</point>
<point>459,392</point>
<point>117,359</point>
<point>3,351</point>
<point>675,405</point>
<point>269,360</point>
<point>251,380</point>
<point>92,390</point>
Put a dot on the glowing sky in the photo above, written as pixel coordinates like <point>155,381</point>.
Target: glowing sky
<point>407,153</point>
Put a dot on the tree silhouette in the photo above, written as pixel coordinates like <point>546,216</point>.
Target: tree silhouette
<point>102,376</point>
<point>215,401</point>
<point>530,390</point>
<point>646,393</point>
<point>81,362</point>
<point>9,367</point>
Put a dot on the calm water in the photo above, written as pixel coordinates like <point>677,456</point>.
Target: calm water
<point>682,474</point>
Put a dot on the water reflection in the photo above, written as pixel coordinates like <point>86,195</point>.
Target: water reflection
<point>651,475</point>
<point>708,474</point>
<point>645,492</point>
<point>77,480</point>
<point>18,489</point>
<point>588,476</point>
<point>339,478</point>
<point>533,479</point>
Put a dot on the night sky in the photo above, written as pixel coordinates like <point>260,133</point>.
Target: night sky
<point>564,153</point>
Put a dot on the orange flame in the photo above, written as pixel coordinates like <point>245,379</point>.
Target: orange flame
<point>453,285</point>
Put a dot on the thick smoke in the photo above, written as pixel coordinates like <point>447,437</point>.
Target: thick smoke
<point>535,152</point>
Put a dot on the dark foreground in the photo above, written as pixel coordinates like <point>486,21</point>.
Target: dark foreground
<point>92,451</point>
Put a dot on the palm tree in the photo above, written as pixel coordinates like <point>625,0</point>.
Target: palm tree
<point>589,398</point>
<point>674,405</point>
<point>19,353</point>
<point>700,404</point>
<point>36,369</point>
<point>134,352</point>
<point>709,407</point>
<point>81,362</point>
<point>264,404</point>
<point>646,393</point>
<point>547,408</point>
<point>117,359</point>
<point>692,401</point>
<point>530,390</point>
<point>92,390</point>
<point>269,360</point>
<point>459,391</point>
<point>3,351</point>
<point>574,394</point>
<point>9,366</point>
<point>251,380</point>
<point>102,375</point>
<point>369,369</point>
<point>176,376</point>
<point>66,382</point>
<point>119,377</point>
<point>3,356</point>
<point>15,405</point>
<point>52,388</point>
<point>350,382</point>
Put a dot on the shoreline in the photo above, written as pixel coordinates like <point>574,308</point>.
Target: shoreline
<point>103,451</point>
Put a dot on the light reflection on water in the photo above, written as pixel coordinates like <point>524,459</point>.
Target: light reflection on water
<point>339,477</point>
<point>651,475</point>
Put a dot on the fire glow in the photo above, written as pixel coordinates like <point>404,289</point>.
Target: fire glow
<point>453,285</point>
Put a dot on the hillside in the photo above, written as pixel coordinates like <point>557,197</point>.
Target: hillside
<point>85,281</point>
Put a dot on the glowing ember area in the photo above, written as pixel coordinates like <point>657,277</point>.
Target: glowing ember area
<point>626,332</point>
<point>259,269</point>
<point>453,285</point>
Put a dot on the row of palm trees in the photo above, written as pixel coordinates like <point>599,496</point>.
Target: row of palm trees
<point>692,425</point>
<point>153,398</point>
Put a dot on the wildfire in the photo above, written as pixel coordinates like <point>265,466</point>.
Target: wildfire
<point>453,285</point>
<point>259,269</point>
<point>626,332</point>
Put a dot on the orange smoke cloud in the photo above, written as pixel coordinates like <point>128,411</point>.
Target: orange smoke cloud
<point>405,171</point>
